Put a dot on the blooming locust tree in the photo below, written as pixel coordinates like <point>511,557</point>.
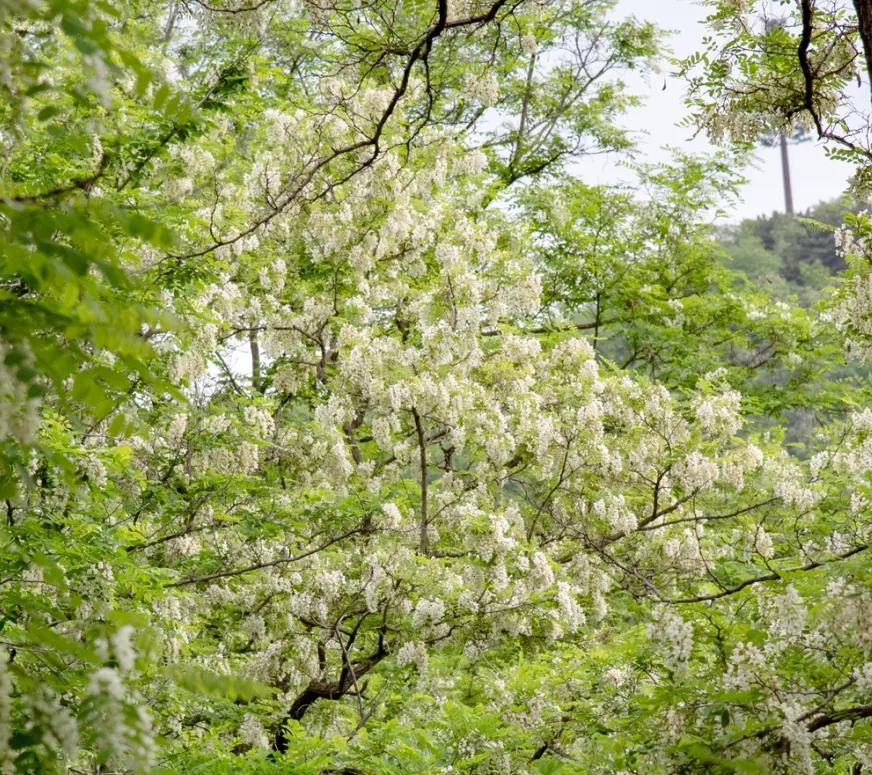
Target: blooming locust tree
<point>405,451</point>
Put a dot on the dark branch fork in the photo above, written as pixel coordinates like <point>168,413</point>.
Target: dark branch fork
<point>809,75</point>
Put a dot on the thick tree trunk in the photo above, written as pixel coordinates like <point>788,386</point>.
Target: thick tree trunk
<point>864,24</point>
<point>324,690</point>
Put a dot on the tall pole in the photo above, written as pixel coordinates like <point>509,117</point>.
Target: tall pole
<point>785,175</point>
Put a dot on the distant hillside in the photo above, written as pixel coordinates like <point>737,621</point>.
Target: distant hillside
<point>786,252</point>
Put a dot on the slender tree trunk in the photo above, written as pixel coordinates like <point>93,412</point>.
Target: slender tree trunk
<point>255,359</point>
<point>424,538</point>
<point>596,322</point>
<point>785,175</point>
<point>170,25</point>
<point>864,24</point>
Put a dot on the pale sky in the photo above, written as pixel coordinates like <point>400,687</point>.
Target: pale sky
<point>814,176</point>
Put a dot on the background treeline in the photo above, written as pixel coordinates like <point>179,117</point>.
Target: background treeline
<point>794,255</point>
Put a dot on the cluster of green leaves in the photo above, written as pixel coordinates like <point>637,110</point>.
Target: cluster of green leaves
<point>650,283</point>
<point>74,298</point>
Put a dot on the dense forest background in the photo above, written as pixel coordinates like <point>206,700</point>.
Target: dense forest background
<point>793,254</point>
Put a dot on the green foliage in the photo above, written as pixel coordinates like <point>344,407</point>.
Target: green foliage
<point>344,429</point>
<point>795,255</point>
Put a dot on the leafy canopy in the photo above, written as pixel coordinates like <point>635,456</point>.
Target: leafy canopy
<point>345,429</point>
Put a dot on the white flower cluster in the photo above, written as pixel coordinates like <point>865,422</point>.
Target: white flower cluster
<point>258,421</point>
<point>572,618</point>
<point>176,428</point>
<point>616,513</point>
<point>787,615</point>
<point>122,647</point>
<point>413,653</point>
<point>126,737</point>
<point>850,611</point>
<point>428,613</point>
<point>252,732</point>
<point>675,635</point>
<point>747,667</point>
<point>795,731</point>
<point>863,677</point>
<point>393,515</point>
<point>719,414</point>
<point>541,575</point>
<point>852,310</point>
<point>763,543</point>
<point>696,472</point>
<point>484,88</point>
<point>793,492</point>
<point>55,722</point>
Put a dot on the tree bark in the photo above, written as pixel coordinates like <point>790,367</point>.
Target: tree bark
<point>255,359</point>
<point>838,716</point>
<point>864,25</point>
<point>324,690</point>
<point>424,538</point>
